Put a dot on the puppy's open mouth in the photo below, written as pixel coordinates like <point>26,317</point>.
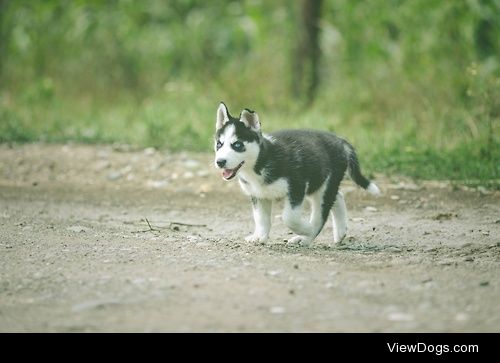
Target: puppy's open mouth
<point>229,174</point>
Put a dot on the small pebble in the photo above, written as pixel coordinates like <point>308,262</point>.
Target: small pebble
<point>191,164</point>
<point>400,317</point>
<point>149,151</point>
<point>157,184</point>
<point>277,310</point>
<point>273,272</point>
<point>114,175</point>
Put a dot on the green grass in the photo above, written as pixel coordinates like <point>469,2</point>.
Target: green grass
<point>183,118</point>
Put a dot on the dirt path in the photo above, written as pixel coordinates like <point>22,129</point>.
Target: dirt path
<point>76,252</point>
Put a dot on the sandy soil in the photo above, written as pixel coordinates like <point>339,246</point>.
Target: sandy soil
<point>77,253</point>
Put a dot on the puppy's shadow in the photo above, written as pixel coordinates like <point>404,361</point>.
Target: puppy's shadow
<point>349,245</point>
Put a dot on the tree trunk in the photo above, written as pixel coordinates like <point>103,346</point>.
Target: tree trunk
<point>485,38</point>
<point>3,37</point>
<point>305,78</point>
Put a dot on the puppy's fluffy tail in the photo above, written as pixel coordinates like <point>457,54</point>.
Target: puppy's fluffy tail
<point>355,171</point>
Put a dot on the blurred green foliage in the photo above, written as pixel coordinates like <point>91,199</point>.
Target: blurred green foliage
<point>415,85</point>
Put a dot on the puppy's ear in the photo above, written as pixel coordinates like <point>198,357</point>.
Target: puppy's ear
<point>222,116</point>
<point>250,119</point>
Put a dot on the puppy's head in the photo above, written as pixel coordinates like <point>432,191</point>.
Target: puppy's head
<point>236,141</point>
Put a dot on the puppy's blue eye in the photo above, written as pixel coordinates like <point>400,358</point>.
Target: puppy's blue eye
<point>219,145</point>
<point>238,146</point>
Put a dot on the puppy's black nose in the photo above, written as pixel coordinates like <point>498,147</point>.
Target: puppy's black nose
<point>221,163</point>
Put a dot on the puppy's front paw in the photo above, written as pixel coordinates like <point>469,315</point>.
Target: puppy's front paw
<point>256,238</point>
<point>299,240</point>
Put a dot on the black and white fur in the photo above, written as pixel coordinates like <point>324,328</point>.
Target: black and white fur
<point>294,165</point>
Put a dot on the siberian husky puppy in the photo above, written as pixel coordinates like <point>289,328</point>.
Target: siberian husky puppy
<point>294,165</point>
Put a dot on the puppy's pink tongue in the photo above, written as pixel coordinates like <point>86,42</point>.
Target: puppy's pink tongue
<point>227,173</point>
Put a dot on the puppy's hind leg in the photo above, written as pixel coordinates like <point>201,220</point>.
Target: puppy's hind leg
<point>262,217</point>
<point>307,232</point>
<point>292,216</point>
<point>339,214</point>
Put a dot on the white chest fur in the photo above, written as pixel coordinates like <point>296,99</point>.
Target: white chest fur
<point>253,185</point>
